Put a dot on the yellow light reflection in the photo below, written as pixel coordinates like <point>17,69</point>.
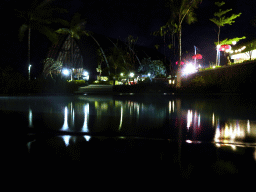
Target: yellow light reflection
<point>121,118</point>
<point>213,120</point>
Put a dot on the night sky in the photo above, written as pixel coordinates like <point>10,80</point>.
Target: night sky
<point>118,19</point>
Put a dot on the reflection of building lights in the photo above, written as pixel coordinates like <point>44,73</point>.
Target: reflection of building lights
<point>65,124</point>
<point>248,126</point>
<point>121,118</point>
<point>213,119</point>
<point>189,118</point>
<point>66,139</point>
<point>30,118</point>
<point>199,121</point>
<point>170,106</point>
<point>86,115</point>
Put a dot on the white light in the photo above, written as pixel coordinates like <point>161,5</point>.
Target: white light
<point>131,74</point>
<point>65,72</point>
<point>233,42</point>
<point>86,73</point>
<point>189,68</point>
<point>149,74</point>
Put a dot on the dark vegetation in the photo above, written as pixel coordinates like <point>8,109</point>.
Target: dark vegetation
<point>239,78</point>
<point>14,83</point>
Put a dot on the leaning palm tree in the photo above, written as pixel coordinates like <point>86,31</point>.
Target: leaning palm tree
<point>39,16</point>
<point>89,33</point>
<point>181,10</point>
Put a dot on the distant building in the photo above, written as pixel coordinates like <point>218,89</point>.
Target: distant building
<point>240,57</point>
<point>62,52</point>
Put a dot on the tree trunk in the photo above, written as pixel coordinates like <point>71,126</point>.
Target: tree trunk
<point>179,63</point>
<point>105,58</point>
<point>29,34</point>
<point>72,57</point>
<point>218,53</point>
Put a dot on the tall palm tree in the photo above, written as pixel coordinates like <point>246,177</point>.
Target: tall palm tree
<point>75,30</point>
<point>88,33</point>
<point>39,16</point>
<point>181,10</point>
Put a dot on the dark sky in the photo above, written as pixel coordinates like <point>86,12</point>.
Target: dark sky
<point>118,19</point>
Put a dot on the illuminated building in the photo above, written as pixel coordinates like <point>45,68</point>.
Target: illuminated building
<point>69,55</point>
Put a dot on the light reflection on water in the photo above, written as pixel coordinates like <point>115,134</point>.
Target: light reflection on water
<point>183,137</point>
<point>131,116</point>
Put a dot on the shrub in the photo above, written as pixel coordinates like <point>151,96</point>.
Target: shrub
<point>198,81</point>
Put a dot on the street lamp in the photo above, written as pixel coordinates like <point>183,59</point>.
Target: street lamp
<point>29,66</point>
<point>65,72</point>
<point>189,69</point>
<point>86,75</point>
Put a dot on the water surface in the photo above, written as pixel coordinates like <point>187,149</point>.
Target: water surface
<point>217,132</point>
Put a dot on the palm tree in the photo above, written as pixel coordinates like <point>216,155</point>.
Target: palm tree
<point>180,10</point>
<point>75,30</point>
<point>88,33</point>
<point>39,16</point>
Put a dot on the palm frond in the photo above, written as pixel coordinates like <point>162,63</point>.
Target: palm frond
<point>63,31</point>
<point>22,31</point>
<point>76,19</point>
<point>51,35</point>
<point>191,17</point>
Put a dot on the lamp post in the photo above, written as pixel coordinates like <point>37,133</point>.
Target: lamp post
<point>29,66</point>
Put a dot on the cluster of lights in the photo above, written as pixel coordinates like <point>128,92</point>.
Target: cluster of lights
<point>236,51</point>
<point>67,72</point>
<point>227,48</point>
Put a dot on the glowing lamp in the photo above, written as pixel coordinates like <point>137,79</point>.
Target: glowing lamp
<point>65,72</point>
<point>86,73</point>
<point>197,56</point>
<point>224,47</point>
<point>177,62</point>
<point>189,68</point>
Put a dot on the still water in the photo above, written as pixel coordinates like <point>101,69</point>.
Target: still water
<point>220,131</point>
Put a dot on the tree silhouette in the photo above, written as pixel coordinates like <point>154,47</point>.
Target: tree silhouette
<point>39,16</point>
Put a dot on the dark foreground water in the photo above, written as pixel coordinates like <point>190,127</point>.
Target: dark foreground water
<point>156,137</point>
